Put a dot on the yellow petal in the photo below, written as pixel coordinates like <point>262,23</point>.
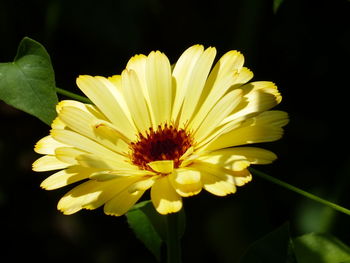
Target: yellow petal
<point>186,181</point>
<point>65,177</point>
<point>112,174</point>
<point>163,167</point>
<point>253,154</point>
<point>109,100</point>
<point>48,163</point>
<point>225,159</point>
<point>135,101</point>
<point>227,73</point>
<point>93,161</point>
<point>92,194</point>
<point>258,97</point>
<point>159,85</point>
<point>218,113</point>
<point>88,108</point>
<point>85,144</point>
<point>265,127</point>
<point>216,180</point>
<point>68,154</point>
<point>164,197</point>
<point>47,145</point>
<point>121,203</point>
<point>85,123</point>
<point>143,185</point>
<point>182,74</point>
<point>196,84</point>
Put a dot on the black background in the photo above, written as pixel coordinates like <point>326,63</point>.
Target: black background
<point>303,48</point>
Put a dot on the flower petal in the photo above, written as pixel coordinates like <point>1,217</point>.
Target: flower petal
<point>159,85</point>
<point>47,145</point>
<point>143,185</point>
<point>110,101</point>
<point>196,84</point>
<point>85,144</point>
<point>48,163</point>
<point>65,177</point>
<point>93,161</point>
<point>92,194</point>
<point>182,74</point>
<point>86,124</point>
<point>216,180</point>
<point>218,113</point>
<point>186,181</point>
<point>163,166</point>
<point>136,103</point>
<point>121,203</point>
<point>227,74</point>
<point>258,97</point>
<point>225,158</point>
<point>265,127</point>
<point>164,197</point>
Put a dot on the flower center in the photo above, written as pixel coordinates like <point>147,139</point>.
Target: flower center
<point>165,143</point>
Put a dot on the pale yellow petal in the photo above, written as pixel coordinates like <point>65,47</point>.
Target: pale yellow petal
<point>92,194</point>
<point>253,154</point>
<point>182,73</point>
<point>85,144</point>
<point>109,100</point>
<point>143,184</point>
<point>86,124</point>
<point>121,203</point>
<point>227,74</point>
<point>163,166</point>
<point>217,114</point>
<point>225,158</point>
<point>88,108</point>
<point>265,127</point>
<point>48,163</point>
<point>94,161</point>
<point>136,101</point>
<point>58,124</point>
<point>138,64</point>
<point>258,97</point>
<point>215,179</point>
<point>112,174</point>
<point>186,181</point>
<point>196,84</point>
<point>65,177</point>
<point>242,177</point>
<point>68,154</point>
<point>159,85</point>
<point>164,197</point>
<point>47,145</point>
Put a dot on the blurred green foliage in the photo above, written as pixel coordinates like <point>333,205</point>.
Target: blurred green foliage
<point>303,47</point>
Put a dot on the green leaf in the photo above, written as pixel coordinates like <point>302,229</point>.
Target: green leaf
<point>320,248</point>
<point>274,247</point>
<point>28,83</point>
<point>151,227</point>
<point>276,5</point>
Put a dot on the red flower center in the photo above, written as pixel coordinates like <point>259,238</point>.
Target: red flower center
<point>165,143</point>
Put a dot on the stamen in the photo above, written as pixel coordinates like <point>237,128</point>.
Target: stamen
<point>166,143</point>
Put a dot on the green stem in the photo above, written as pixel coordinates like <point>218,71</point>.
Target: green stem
<point>173,239</point>
<point>299,191</point>
<point>73,95</point>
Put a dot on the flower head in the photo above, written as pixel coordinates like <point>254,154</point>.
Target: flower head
<point>175,131</point>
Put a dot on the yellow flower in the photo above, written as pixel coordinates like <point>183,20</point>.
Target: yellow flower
<point>175,131</point>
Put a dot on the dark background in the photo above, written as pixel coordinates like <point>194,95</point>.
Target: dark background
<point>303,47</point>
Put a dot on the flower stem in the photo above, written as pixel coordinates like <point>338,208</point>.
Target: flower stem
<point>299,191</point>
<point>173,239</point>
<point>72,95</point>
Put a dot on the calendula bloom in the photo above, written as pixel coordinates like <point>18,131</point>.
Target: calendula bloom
<point>174,130</point>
